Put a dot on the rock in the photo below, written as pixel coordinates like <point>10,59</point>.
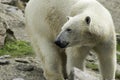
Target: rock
<point>25,67</point>
<point>21,4</point>
<point>18,79</point>
<point>10,72</point>
<point>5,56</point>
<point>6,1</point>
<point>4,62</point>
<point>2,33</point>
<point>118,52</point>
<point>21,60</point>
<point>18,3</point>
<point>10,36</point>
<point>77,74</point>
<point>12,19</point>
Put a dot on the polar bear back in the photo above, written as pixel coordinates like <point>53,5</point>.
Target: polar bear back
<point>47,15</point>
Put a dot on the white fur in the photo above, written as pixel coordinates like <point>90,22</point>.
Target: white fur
<point>103,39</point>
<point>44,19</point>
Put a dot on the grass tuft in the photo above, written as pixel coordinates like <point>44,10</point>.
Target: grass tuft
<point>118,56</point>
<point>17,49</point>
<point>92,66</point>
<point>117,76</point>
<point>118,47</point>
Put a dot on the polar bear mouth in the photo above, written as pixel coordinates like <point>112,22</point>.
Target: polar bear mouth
<point>63,44</point>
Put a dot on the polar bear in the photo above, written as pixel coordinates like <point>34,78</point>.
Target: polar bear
<point>44,19</point>
<point>89,27</point>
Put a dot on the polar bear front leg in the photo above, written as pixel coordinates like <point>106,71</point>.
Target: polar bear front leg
<point>107,60</point>
<point>52,61</point>
<point>76,57</point>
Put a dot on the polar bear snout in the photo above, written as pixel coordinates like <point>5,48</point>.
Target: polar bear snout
<point>61,44</point>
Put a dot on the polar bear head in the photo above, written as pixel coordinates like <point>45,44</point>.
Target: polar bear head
<point>76,31</point>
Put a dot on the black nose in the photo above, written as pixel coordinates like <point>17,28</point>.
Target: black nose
<point>61,44</point>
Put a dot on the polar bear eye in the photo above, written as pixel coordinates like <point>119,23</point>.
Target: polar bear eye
<point>68,30</point>
<point>87,19</point>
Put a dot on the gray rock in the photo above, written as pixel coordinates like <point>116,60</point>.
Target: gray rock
<point>12,18</point>
<point>21,60</point>
<point>6,1</point>
<point>18,79</point>
<point>21,4</point>
<point>2,32</point>
<point>4,62</point>
<point>77,74</point>
<point>5,56</point>
<point>25,67</point>
<point>10,72</point>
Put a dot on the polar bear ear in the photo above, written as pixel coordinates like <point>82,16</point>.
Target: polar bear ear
<point>68,17</point>
<point>88,20</point>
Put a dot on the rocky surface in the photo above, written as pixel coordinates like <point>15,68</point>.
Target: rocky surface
<point>21,71</point>
<point>29,68</point>
<point>25,67</point>
<point>4,62</point>
<point>12,17</point>
<point>18,3</point>
<point>77,74</point>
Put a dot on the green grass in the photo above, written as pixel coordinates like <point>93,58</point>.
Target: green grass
<point>92,66</point>
<point>118,47</point>
<point>118,56</point>
<point>117,75</point>
<point>17,49</point>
